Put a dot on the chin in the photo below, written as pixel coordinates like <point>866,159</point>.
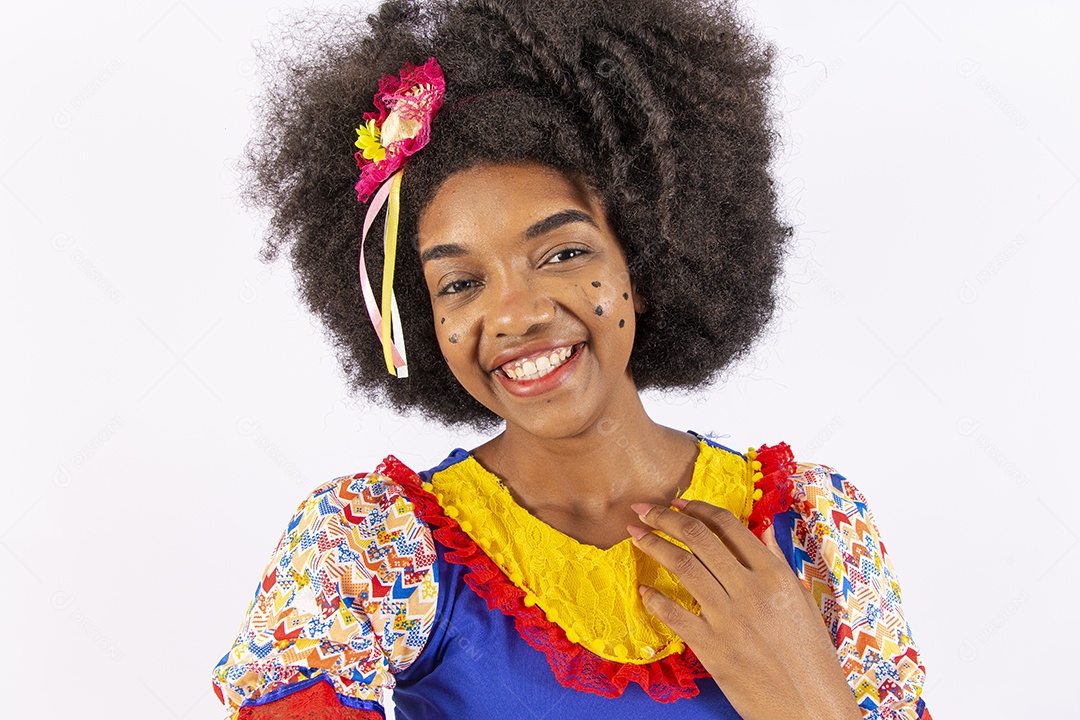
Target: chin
<point>555,421</point>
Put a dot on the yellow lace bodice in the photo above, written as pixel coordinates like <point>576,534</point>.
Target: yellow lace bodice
<point>589,592</point>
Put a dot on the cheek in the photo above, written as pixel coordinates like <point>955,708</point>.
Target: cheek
<point>453,347</point>
<point>611,301</point>
<point>451,329</point>
<point>447,332</point>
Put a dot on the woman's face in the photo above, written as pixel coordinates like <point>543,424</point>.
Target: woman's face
<point>532,300</point>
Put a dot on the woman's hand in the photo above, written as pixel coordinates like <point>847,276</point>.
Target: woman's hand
<point>760,634</point>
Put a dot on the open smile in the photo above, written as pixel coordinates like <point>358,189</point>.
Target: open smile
<point>536,366</point>
<point>537,373</point>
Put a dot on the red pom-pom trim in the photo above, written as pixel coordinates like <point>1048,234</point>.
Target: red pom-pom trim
<point>666,680</point>
<point>777,467</point>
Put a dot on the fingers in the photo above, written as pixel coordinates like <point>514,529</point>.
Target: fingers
<point>742,543</point>
<point>682,622</point>
<point>706,549</point>
<point>701,581</point>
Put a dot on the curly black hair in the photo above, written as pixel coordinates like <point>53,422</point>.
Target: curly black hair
<point>661,106</point>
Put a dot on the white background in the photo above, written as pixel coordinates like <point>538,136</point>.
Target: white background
<point>167,406</point>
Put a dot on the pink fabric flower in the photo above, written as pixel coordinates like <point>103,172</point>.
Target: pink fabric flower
<point>404,107</point>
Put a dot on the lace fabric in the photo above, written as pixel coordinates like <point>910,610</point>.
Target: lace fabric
<point>317,701</point>
<point>588,592</point>
<point>671,672</point>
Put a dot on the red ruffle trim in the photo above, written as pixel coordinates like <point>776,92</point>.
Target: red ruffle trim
<point>317,702</point>
<point>666,680</point>
<point>777,467</point>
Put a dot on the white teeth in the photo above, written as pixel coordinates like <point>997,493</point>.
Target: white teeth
<point>536,368</point>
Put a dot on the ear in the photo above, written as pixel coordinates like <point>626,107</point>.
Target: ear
<point>640,306</point>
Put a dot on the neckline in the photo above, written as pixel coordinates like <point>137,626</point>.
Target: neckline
<point>554,604</point>
<point>590,592</point>
<point>495,484</point>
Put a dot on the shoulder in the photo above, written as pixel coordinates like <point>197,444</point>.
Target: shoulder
<point>370,503</point>
<point>819,490</point>
<point>835,538</point>
<point>362,532</point>
<point>361,527</point>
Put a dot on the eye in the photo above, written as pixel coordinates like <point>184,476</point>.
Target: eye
<point>457,286</point>
<point>567,254</point>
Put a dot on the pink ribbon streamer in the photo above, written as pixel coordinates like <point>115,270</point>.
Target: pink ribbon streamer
<point>374,207</point>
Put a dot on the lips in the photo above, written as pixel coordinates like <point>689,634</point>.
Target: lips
<point>536,365</point>
<point>538,382</point>
<point>529,351</point>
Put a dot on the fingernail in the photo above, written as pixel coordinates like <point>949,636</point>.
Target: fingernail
<point>679,503</point>
<point>642,589</point>
<point>636,532</point>
<point>642,509</point>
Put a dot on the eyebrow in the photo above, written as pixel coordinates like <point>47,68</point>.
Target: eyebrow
<point>447,250</point>
<point>548,224</point>
<point>556,221</point>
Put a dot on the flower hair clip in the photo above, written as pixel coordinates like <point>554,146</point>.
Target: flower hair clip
<point>399,126</point>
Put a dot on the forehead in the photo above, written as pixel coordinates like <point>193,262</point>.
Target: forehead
<point>502,199</point>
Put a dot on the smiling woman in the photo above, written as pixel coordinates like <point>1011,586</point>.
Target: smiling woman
<point>586,196</point>
<point>530,285</point>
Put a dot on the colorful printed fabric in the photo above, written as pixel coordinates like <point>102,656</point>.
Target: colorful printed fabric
<point>349,596</point>
<point>352,593</point>
<point>832,542</point>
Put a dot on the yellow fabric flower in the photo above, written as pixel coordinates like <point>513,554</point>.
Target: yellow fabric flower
<point>368,140</point>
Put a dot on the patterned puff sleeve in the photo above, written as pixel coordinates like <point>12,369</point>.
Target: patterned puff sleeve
<point>837,552</point>
<point>347,600</point>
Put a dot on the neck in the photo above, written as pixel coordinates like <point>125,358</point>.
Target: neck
<point>608,464</point>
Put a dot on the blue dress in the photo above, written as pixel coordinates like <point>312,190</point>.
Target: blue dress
<point>388,581</point>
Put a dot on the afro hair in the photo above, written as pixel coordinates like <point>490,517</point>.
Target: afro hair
<point>660,105</point>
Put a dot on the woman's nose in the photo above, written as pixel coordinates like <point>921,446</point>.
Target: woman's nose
<point>516,308</point>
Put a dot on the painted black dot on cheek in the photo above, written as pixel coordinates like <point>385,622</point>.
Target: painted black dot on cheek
<point>622,323</point>
<point>599,310</point>
<point>596,283</point>
<point>442,321</point>
<point>625,296</point>
<point>454,339</point>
